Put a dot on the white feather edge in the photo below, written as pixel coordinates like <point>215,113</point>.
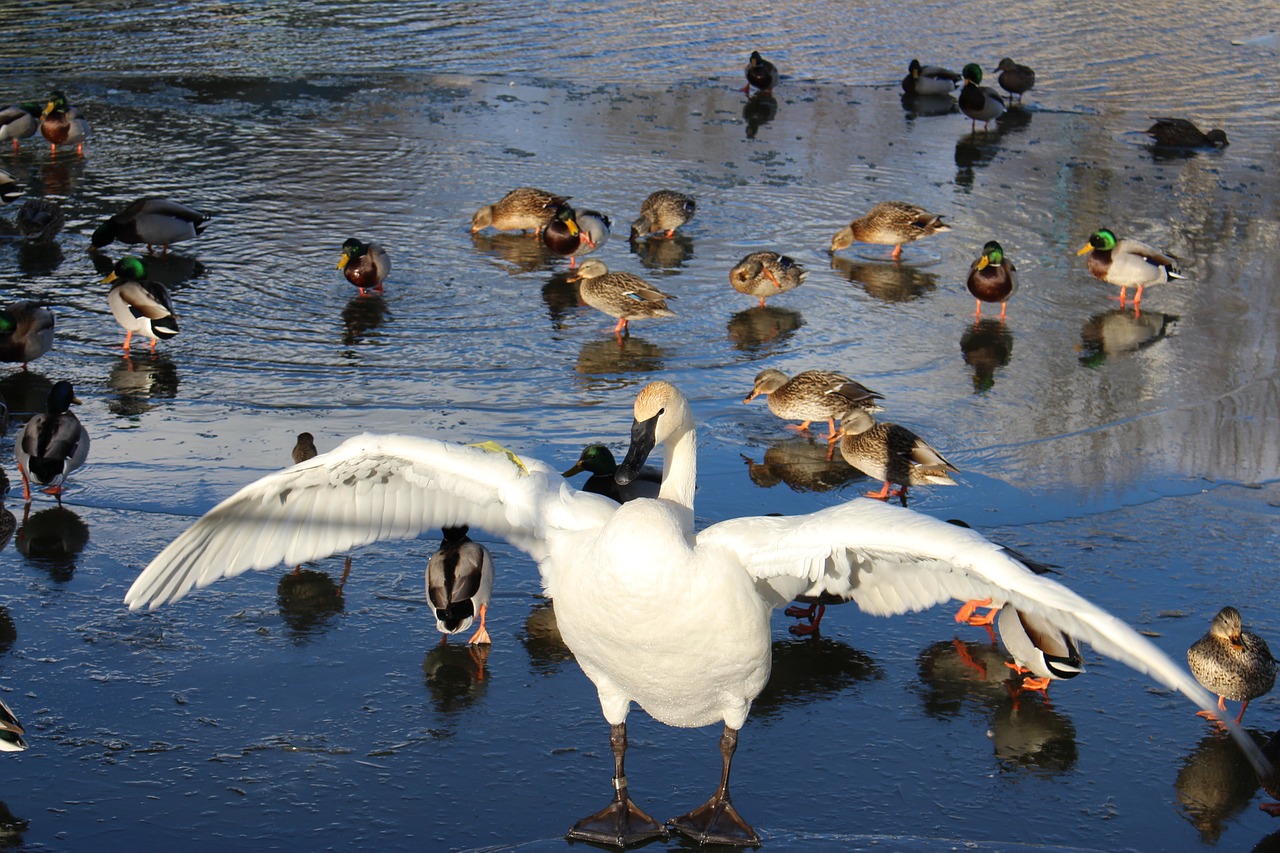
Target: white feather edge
<point>887,560</point>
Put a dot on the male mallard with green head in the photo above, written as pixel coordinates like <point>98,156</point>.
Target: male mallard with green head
<point>761,73</point>
<point>52,444</point>
<point>929,80</point>
<point>366,265</point>
<point>139,304</point>
<point>979,103</point>
<point>1127,263</point>
<point>992,278</point>
<point>62,125</point>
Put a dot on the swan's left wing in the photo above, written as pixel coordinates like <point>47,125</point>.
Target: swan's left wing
<point>890,560</point>
<point>369,488</point>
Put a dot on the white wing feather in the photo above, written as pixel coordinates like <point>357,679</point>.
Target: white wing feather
<point>367,489</point>
<point>890,560</point>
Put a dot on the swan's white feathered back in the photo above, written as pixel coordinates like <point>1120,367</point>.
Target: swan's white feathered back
<point>368,489</point>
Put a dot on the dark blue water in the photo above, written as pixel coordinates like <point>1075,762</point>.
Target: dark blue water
<point>1126,451</point>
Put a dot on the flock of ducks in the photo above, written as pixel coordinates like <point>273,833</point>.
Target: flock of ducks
<point>656,613</point>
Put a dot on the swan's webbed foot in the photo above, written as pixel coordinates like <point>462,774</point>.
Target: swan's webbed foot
<point>716,822</point>
<point>622,823</point>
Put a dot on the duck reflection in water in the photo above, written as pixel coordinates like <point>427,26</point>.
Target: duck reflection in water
<point>1119,331</point>
<point>924,106</point>
<point>362,315</point>
<point>668,253</point>
<point>887,282</point>
<point>760,109</point>
<point>520,253</point>
<point>763,328</point>
<point>12,828</point>
<point>631,354</point>
<point>987,345</point>
<point>52,539</point>
<point>8,521</point>
<point>808,670</point>
<point>542,640</point>
<point>136,382</point>
<point>560,295</point>
<point>1027,732</point>
<point>804,464</point>
<point>309,598</point>
<point>1215,784</point>
<point>456,676</point>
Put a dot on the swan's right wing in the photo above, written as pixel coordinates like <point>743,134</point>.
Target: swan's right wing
<point>890,560</point>
<point>367,489</point>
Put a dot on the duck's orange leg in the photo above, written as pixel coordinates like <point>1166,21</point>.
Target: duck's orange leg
<point>977,310</point>
<point>804,427</point>
<point>482,635</point>
<point>26,485</point>
<point>896,254</point>
<point>966,612</point>
<point>1222,706</point>
<point>128,336</point>
<point>1003,307</point>
<point>882,495</point>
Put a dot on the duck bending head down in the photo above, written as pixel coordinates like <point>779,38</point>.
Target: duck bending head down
<point>656,615</point>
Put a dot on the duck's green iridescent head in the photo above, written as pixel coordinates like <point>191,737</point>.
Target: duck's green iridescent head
<point>596,459</point>
<point>972,73</point>
<point>993,254</point>
<point>61,396</point>
<point>1102,240</point>
<point>351,250</point>
<point>7,323</point>
<point>128,268</point>
<point>57,102</point>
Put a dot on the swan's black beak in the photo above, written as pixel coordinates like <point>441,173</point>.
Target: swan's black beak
<point>642,441</point>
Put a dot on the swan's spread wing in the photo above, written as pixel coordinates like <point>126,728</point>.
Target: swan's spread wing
<point>367,489</point>
<point>892,560</point>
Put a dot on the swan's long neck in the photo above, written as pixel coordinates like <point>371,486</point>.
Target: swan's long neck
<point>680,471</point>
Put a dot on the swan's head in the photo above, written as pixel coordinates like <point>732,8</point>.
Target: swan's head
<point>661,412</point>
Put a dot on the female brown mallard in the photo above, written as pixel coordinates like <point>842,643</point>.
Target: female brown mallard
<point>889,223</point>
<point>761,73</point>
<point>929,80</point>
<point>764,274</point>
<point>620,294</point>
<point>992,278</point>
<point>1180,133</point>
<point>813,395</point>
<point>26,331</point>
<point>1234,663</point>
<point>892,454</point>
<point>663,212</point>
<point>62,125</point>
<point>1014,78</point>
<point>366,265</point>
<point>522,209</point>
<point>1127,263</point>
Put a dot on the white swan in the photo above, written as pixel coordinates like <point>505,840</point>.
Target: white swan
<point>675,622</point>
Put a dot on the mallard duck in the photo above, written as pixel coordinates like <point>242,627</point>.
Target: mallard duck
<point>1014,78</point>
<point>1234,663</point>
<point>979,103</point>
<point>52,444</point>
<point>139,304</point>
<point>657,614</point>
<point>764,274</point>
<point>663,212</point>
<point>620,294</point>
<point>10,190</point>
<point>522,209</point>
<point>459,583</point>
<point>366,265</point>
<point>598,460</point>
<point>813,395</point>
<point>19,121</point>
<point>889,223</point>
<point>305,448</point>
<point>893,454</point>
<point>11,731</point>
<point>1180,133</point>
<point>574,233</point>
<point>1127,263</point>
<point>929,80</point>
<point>992,278</point>
<point>26,331</point>
<point>152,220</point>
<point>1038,647</point>
<point>39,219</point>
<point>761,73</point>
<point>62,125</point>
